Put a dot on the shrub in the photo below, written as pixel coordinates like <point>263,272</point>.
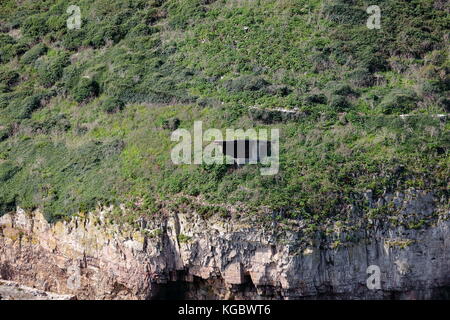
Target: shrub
<point>280,90</point>
<point>6,39</point>
<point>7,98</point>
<point>171,124</point>
<point>445,103</point>
<point>86,89</point>
<point>140,30</point>
<point>323,165</point>
<point>7,48</point>
<point>71,76</point>
<point>56,22</point>
<point>183,238</point>
<point>98,34</point>
<point>342,11</point>
<point>320,62</point>
<point>315,98</point>
<point>7,203</point>
<point>35,26</point>
<point>342,89</point>
<point>181,12</point>
<point>58,122</point>
<point>413,42</point>
<point>50,69</point>
<point>361,77</point>
<point>35,52</point>
<point>112,105</point>
<point>23,108</point>
<point>339,103</point>
<point>7,170</point>
<point>4,133</point>
<point>398,101</point>
<point>73,39</point>
<point>246,83</point>
<point>9,77</point>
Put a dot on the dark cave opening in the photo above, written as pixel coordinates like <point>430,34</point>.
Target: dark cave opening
<point>197,288</point>
<point>170,290</point>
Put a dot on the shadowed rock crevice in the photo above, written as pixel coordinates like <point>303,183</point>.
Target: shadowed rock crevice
<point>188,287</point>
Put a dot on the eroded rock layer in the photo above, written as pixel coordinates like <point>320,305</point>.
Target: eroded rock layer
<point>181,255</point>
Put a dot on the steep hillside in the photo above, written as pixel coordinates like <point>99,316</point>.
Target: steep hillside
<point>86,115</point>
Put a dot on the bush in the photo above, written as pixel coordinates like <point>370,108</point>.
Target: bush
<point>23,108</point>
<point>362,77</point>
<point>369,55</point>
<point>320,62</point>
<point>6,39</point>
<point>9,77</point>
<point>445,103</point>
<point>342,89</point>
<point>246,83</point>
<point>413,42</point>
<point>4,133</point>
<point>86,89</point>
<point>339,103</point>
<point>398,101</point>
<point>315,98</point>
<point>35,26</point>
<point>71,76</point>
<point>141,29</point>
<point>73,39</point>
<point>279,90</point>
<point>58,122</point>
<point>31,55</point>
<point>171,124</point>
<point>7,98</point>
<point>7,48</point>
<point>98,34</point>
<point>342,11</point>
<point>50,69</point>
<point>112,105</point>
<point>7,203</point>
<point>7,170</point>
<point>56,22</point>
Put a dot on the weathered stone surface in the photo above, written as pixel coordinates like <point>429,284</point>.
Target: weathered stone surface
<point>233,274</point>
<point>13,291</point>
<point>90,257</point>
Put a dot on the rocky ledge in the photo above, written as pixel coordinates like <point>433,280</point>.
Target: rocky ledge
<point>13,291</point>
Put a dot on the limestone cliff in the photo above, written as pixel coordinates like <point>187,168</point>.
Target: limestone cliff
<point>182,255</point>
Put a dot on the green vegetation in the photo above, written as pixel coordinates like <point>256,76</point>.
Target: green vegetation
<point>182,238</point>
<point>86,115</point>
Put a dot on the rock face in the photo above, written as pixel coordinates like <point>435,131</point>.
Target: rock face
<point>13,291</point>
<point>181,255</point>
